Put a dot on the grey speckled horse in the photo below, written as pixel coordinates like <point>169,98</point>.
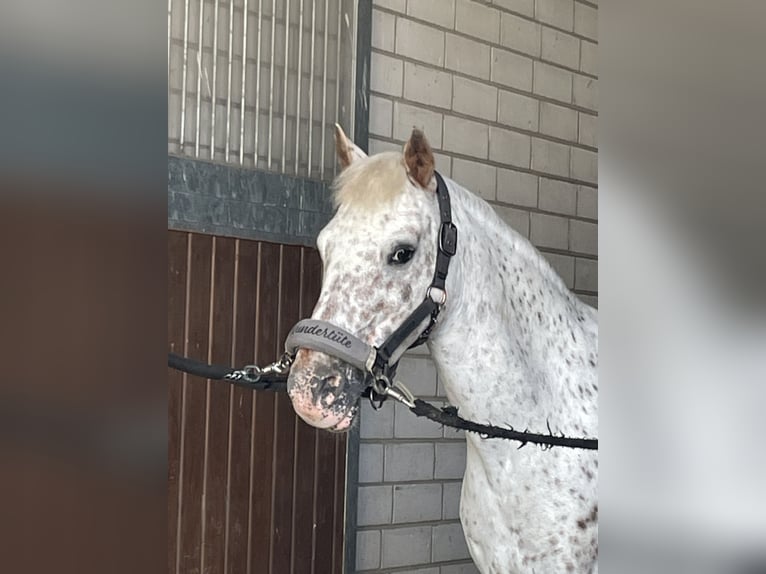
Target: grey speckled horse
<point>512,346</point>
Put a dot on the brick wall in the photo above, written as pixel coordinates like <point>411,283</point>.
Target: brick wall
<point>506,92</point>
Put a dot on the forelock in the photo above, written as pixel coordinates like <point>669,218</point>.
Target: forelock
<point>371,181</point>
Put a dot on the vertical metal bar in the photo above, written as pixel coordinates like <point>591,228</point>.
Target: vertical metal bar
<point>182,139</point>
<point>244,86</point>
<point>337,74</point>
<point>354,76</point>
<point>170,11</point>
<point>199,75</point>
<point>284,95</point>
<point>323,130</point>
<point>298,89</point>
<point>228,88</point>
<point>361,47</point>
<point>311,84</point>
<point>215,81</point>
<point>257,83</point>
<point>271,81</point>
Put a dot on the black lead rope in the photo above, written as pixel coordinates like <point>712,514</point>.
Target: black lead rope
<point>274,376</point>
<point>242,378</point>
<point>446,416</point>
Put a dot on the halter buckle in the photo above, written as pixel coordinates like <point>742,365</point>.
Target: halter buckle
<point>441,300</point>
<point>448,238</point>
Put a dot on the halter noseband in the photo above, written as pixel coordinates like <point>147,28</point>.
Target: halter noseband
<point>381,361</point>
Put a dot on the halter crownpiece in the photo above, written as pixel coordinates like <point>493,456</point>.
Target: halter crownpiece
<point>381,362</point>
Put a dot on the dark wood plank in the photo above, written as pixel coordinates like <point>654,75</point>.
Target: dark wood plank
<point>303,529</point>
<point>177,244</point>
<point>217,452</point>
<point>198,310</point>
<point>284,438</point>
<point>262,461</point>
<point>339,503</point>
<point>324,502</point>
<point>240,415</point>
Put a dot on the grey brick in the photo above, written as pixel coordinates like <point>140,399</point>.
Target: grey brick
<point>520,34</point>
<point>464,568</point>
<point>433,570</point>
<point>378,146</point>
<point>449,542</point>
<point>467,56</point>
<point>550,157</point>
<point>584,165</point>
<point>583,237</point>
<point>381,116</point>
<point>586,20</point>
<point>376,424</point>
<point>367,549</point>
<point>509,147</point>
<point>427,86</point>
<point>549,231</point>
<point>374,505</point>
<point>396,5</point>
<point>558,121</point>
<point>406,546</point>
<point>587,202</point>
<point>407,425</point>
<point>516,187</point>
<point>383,26</point>
<point>590,300</point>
<point>588,130</point>
<point>407,117</point>
<point>526,7</point>
<point>440,12</point>
<point>553,82</point>
<point>558,196</point>
<point>517,111</point>
<point>450,460</point>
<point>417,502</point>
<point>586,274</point>
<point>477,20</point>
<point>511,69</point>
<point>585,92</point>
<point>465,136</point>
<point>516,218</point>
<point>563,265</point>
<point>477,177</point>
<point>451,500</point>
<point>370,462</point>
<point>419,374</point>
<point>589,58</point>
<point>386,74</point>
<point>559,13</point>
<point>419,42</point>
<point>561,48</point>
<point>474,98</point>
<point>406,462</point>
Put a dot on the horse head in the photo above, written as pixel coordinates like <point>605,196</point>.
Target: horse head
<point>378,255</point>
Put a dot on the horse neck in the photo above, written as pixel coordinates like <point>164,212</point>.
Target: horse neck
<point>511,330</point>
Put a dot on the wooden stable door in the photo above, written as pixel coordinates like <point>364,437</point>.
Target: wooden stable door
<point>251,488</point>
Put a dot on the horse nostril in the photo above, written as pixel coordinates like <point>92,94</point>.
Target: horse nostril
<point>328,388</point>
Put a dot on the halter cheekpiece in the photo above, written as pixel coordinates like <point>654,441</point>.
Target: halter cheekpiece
<point>381,362</point>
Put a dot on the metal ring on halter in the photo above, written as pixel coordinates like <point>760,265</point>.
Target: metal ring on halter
<point>429,292</point>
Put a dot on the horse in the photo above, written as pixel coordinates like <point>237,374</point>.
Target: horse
<point>512,346</point>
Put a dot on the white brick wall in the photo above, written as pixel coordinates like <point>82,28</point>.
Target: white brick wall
<point>507,93</point>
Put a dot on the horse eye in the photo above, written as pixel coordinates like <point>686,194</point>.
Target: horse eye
<point>401,255</point>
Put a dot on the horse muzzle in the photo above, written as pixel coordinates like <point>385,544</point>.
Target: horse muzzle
<point>325,391</point>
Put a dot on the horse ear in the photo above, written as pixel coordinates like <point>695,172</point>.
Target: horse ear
<point>348,151</point>
<point>419,158</point>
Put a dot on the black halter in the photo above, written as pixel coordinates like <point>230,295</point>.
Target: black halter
<point>381,361</point>
<point>431,305</point>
